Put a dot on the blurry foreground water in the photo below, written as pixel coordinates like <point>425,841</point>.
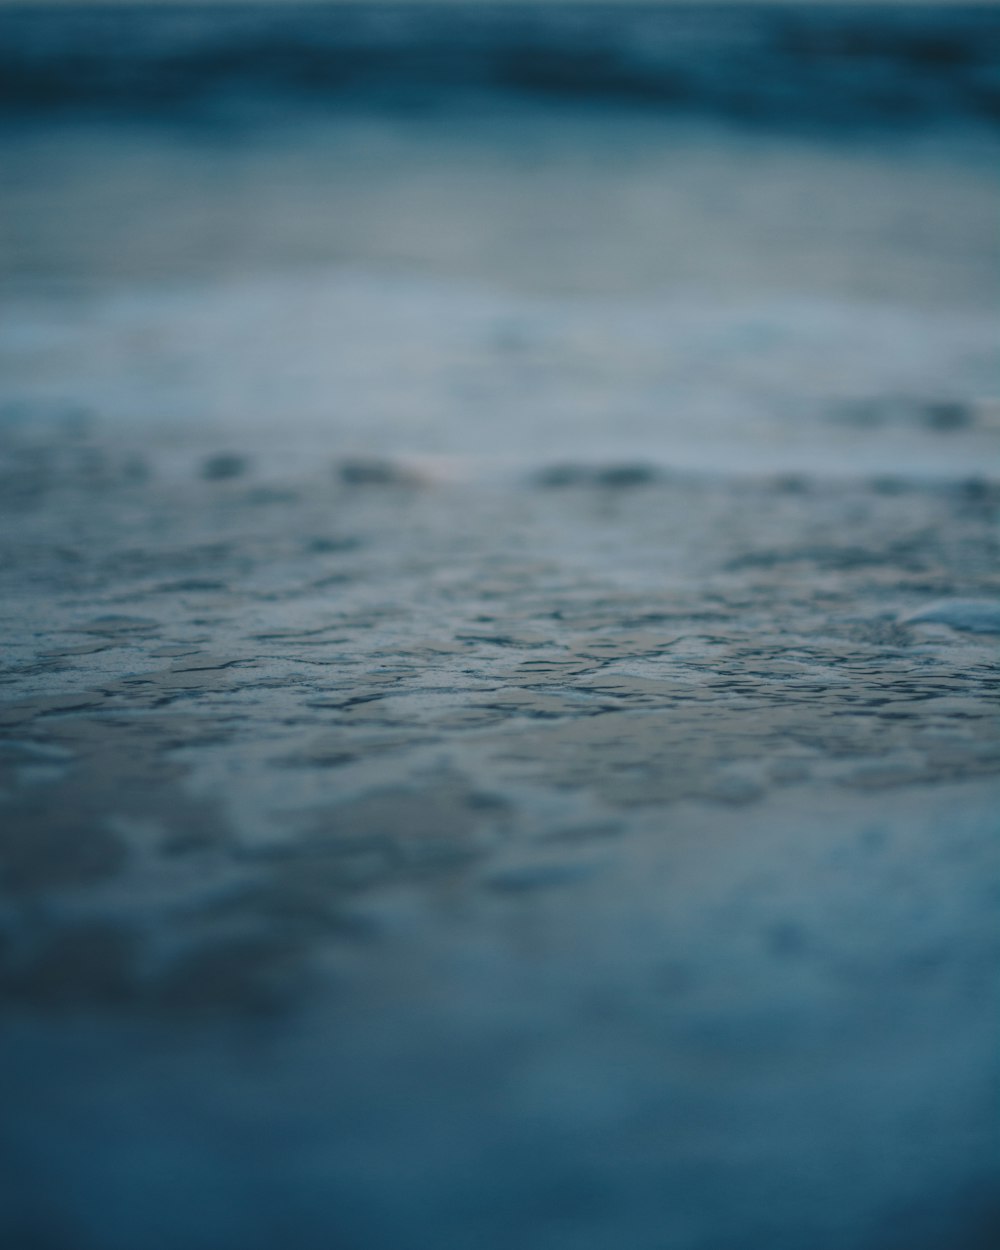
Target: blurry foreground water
<point>500,600</point>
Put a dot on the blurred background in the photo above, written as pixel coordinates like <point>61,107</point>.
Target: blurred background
<point>702,235</point>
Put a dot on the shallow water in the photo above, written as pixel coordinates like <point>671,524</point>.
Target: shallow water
<point>498,608</point>
<point>553,863</point>
<point>625,286</point>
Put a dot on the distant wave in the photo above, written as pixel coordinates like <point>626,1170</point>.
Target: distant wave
<point>795,64</point>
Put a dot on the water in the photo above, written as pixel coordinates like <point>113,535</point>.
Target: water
<point>800,65</point>
<point>763,236</point>
<point>433,285</point>
<point>498,613</point>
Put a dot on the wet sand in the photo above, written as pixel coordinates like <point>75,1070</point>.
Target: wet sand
<point>579,853</point>
<point>499,616</point>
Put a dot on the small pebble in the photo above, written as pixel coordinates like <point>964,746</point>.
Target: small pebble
<point>948,415</point>
<point>374,472</point>
<point>615,476</point>
<point>223,467</point>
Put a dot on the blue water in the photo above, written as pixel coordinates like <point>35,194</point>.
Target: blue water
<point>794,65</point>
